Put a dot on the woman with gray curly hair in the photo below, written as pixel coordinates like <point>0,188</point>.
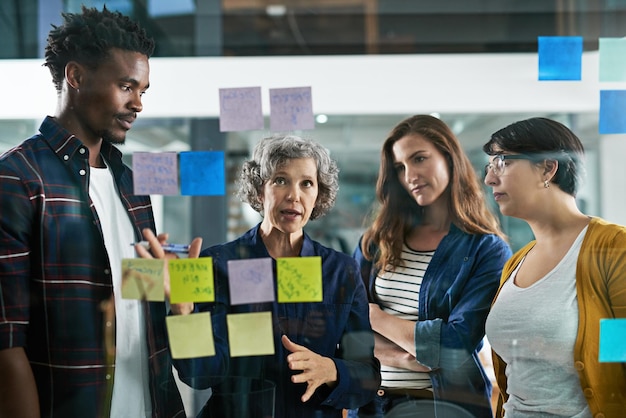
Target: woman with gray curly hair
<point>323,360</point>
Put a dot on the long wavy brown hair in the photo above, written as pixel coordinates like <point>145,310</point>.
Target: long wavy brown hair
<point>398,211</point>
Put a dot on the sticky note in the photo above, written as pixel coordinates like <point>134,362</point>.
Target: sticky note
<point>191,335</point>
<point>612,340</point>
<point>560,57</point>
<point>299,279</point>
<point>612,59</point>
<point>240,109</point>
<point>291,109</point>
<point>202,173</point>
<point>155,173</point>
<point>612,112</point>
<point>191,280</point>
<point>250,281</point>
<point>142,279</point>
<point>250,334</point>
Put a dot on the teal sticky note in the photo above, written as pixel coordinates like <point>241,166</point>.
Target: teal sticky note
<point>613,340</point>
<point>612,59</point>
<point>560,57</point>
<point>202,173</point>
<point>612,112</point>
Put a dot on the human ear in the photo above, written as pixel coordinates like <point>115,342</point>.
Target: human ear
<point>550,168</point>
<point>73,74</point>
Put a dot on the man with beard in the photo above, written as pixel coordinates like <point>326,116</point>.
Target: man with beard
<point>67,219</point>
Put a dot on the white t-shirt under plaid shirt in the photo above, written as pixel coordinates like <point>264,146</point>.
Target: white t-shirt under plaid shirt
<point>397,292</point>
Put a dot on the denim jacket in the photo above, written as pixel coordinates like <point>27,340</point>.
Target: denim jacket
<point>455,297</point>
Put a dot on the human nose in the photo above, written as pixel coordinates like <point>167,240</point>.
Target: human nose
<point>294,194</point>
<point>490,177</point>
<point>136,104</point>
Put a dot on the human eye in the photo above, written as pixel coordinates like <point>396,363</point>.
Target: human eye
<point>308,183</point>
<point>399,168</point>
<point>280,181</point>
<point>419,158</point>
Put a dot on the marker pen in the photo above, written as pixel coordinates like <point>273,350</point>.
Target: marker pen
<point>169,248</point>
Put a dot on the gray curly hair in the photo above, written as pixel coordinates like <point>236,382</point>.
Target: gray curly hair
<point>275,151</point>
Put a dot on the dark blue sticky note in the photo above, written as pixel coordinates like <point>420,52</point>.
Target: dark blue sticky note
<point>560,57</point>
<point>291,109</point>
<point>202,173</point>
<point>155,173</point>
<point>613,340</point>
<point>240,109</point>
<point>612,112</point>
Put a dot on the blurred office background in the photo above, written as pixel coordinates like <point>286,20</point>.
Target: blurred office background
<point>370,63</point>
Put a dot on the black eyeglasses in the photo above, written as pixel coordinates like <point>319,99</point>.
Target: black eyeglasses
<point>497,165</point>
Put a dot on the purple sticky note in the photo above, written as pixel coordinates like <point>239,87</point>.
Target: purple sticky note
<point>202,173</point>
<point>240,109</point>
<point>560,57</point>
<point>291,109</point>
<point>250,281</point>
<point>155,173</point>
<point>612,112</point>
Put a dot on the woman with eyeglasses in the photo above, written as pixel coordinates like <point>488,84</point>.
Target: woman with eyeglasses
<point>544,323</point>
<point>431,262</point>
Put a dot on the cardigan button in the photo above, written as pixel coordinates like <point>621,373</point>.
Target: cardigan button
<point>588,392</point>
<point>579,365</point>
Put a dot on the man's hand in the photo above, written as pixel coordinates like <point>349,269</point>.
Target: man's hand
<point>156,251</point>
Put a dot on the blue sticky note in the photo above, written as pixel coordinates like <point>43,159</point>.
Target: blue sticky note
<point>612,59</point>
<point>613,340</point>
<point>560,57</point>
<point>155,173</point>
<point>202,173</point>
<point>612,112</point>
<point>240,109</point>
<point>291,109</point>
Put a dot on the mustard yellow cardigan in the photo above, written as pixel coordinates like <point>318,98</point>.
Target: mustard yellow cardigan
<point>601,289</point>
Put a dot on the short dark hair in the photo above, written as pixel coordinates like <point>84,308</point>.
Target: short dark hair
<point>87,38</point>
<point>544,139</point>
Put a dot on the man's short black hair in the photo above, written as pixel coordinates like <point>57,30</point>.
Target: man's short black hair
<point>88,37</point>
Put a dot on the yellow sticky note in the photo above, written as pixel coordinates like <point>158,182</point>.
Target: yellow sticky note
<point>191,335</point>
<point>142,279</point>
<point>299,279</point>
<point>250,334</point>
<point>191,280</point>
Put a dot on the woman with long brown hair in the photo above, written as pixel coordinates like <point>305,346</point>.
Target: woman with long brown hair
<point>431,261</point>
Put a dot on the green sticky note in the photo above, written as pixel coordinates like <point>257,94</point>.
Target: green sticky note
<point>190,336</point>
<point>299,279</point>
<point>612,59</point>
<point>191,280</point>
<point>250,334</point>
<point>142,279</point>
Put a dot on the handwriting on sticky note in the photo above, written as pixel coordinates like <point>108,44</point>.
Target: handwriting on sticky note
<point>240,109</point>
<point>250,281</point>
<point>612,341</point>
<point>191,280</point>
<point>142,279</point>
<point>190,336</point>
<point>155,173</point>
<point>291,109</point>
<point>250,334</point>
<point>299,279</point>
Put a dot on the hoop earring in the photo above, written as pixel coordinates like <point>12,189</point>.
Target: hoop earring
<point>546,184</point>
